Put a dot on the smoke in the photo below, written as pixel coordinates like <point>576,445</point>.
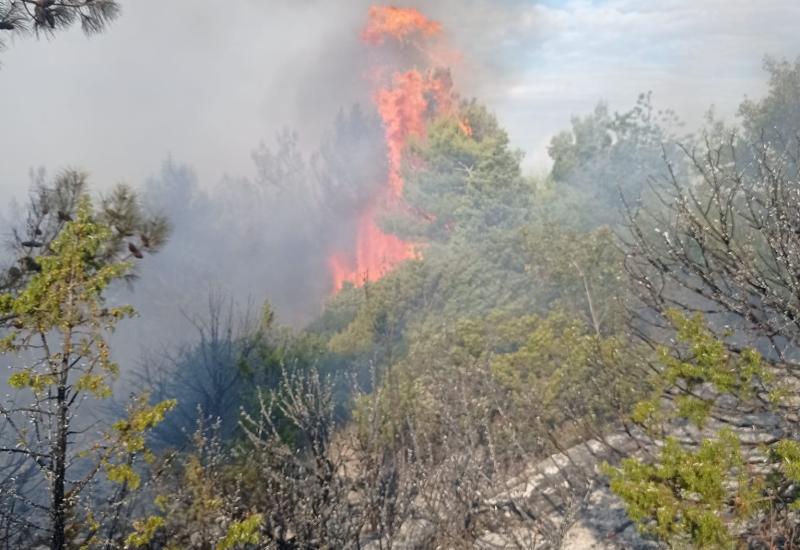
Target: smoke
<point>204,86</point>
<point>208,84</point>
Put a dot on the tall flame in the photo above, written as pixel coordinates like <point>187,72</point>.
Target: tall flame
<point>404,105</point>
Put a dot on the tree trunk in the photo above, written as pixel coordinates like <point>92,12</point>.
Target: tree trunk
<point>58,506</point>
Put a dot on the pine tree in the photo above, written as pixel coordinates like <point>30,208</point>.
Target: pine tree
<point>48,16</point>
<point>57,322</point>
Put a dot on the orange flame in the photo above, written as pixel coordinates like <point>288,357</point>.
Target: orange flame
<point>404,105</point>
<point>402,109</point>
<point>464,126</point>
<point>397,23</point>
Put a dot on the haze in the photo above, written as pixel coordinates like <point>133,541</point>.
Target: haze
<point>206,84</point>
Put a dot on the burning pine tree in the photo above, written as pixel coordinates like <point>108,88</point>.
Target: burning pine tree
<point>406,101</point>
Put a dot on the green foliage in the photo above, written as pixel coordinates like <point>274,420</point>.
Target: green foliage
<point>464,185</point>
<point>683,497</point>
<point>708,356</point>
<point>382,314</point>
<point>143,531</point>
<point>553,371</point>
<point>242,532</point>
<point>200,503</point>
<point>142,417</point>
<point>464,193</point>
<point>701,359</point>
<point>490,241</point>
<point>787,453</point>
<point>504,291</point>
<point>67,291</point>
<point>578,272</point>
<point>699,494</point>
<point>127,439</point>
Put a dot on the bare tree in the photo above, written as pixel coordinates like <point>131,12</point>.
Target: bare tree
<point>725,241</point>
<point>308,492</point>
<point>208,376</point>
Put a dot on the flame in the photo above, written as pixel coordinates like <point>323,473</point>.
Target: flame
<point>402,109</point>
<point>405,103</point>
<point>464,126</point>
<point>375,255</point>
<point>398,23</point>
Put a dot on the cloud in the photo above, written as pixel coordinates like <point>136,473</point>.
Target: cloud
<point>690,54</point>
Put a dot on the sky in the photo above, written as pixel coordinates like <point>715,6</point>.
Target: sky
<point>204,85</point>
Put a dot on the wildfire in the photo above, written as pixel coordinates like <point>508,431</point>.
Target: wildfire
<point>404,103</point>
<point>403,108</point>
<point>397,23</point>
